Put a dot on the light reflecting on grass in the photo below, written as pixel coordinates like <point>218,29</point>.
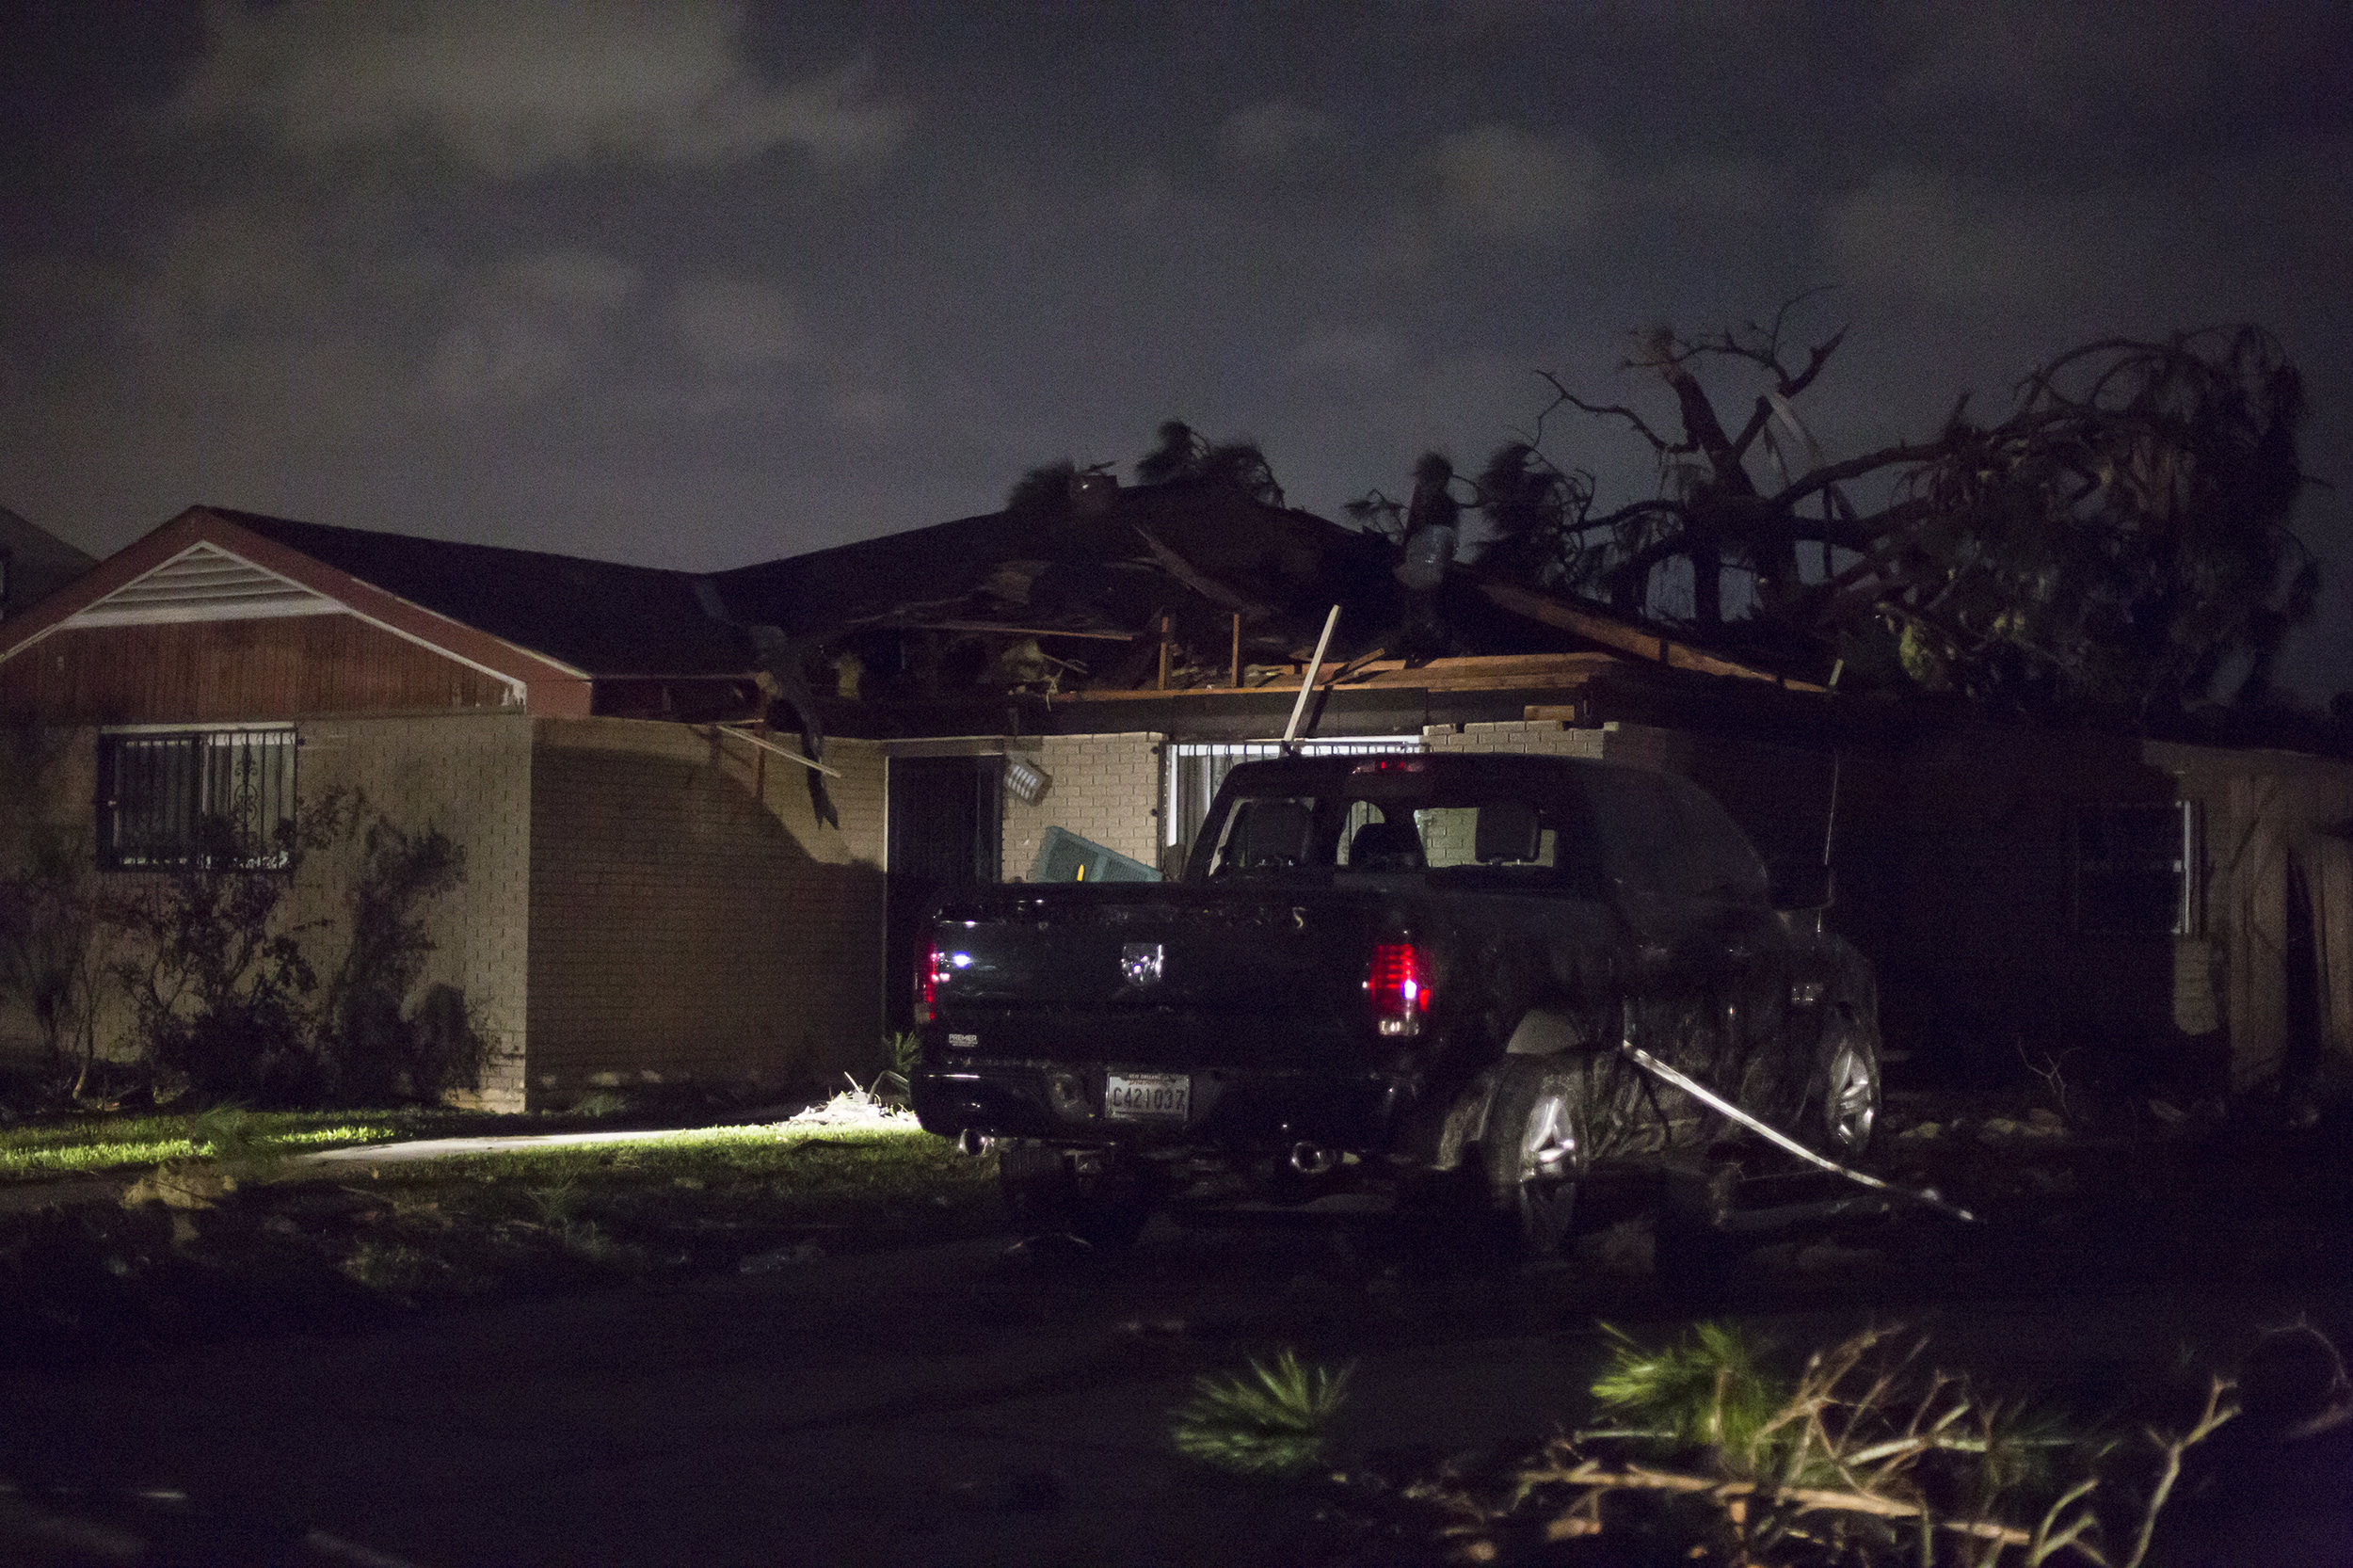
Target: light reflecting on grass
<point>72,1145</point>
<point>882,1160</point>
<point>852,1150</point>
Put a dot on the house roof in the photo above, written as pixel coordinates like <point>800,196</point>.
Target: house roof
<point>212,565</point>
<point>625,638</point>
<point>39,562</point>
<point>1187,546</point>
<point>600,618</point>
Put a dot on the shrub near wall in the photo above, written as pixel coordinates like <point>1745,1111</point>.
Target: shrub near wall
<point>226,996</point>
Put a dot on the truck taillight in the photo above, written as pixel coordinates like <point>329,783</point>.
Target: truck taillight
<point>1400,983</point>
<point>929,972</point>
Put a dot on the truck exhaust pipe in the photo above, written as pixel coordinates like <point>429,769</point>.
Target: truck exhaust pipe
<point>1312,1160</point>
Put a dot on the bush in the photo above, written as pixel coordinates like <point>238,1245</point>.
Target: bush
<point>377,1047</point>
<point>53,949</point>
<point>220,991</point>
<point>224,997</point>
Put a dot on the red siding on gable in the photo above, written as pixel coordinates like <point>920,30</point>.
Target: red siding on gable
<point>227,671</point>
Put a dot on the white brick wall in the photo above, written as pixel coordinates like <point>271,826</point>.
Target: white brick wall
<point>1545,737</point>
<point>1106,788</point>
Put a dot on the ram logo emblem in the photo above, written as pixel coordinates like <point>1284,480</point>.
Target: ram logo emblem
<point>1139,964</point>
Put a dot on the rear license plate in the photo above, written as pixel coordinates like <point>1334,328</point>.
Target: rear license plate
<point>1147,1096</point>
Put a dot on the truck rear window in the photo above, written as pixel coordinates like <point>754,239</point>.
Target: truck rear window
<point>1390,826</point>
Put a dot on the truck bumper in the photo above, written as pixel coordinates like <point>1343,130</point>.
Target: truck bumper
<point>1227,1109</point>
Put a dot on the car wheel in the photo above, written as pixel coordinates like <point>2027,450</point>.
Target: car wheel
<point>1847,1088</point>
<point>1537,1146</point>
<point>1044,1192</point>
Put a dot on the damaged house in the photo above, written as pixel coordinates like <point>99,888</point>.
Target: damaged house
<point>703,814</point>
<point>1065,690</point>
<point>645,897</point>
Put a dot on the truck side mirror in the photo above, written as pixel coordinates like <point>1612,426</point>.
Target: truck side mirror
<point>1800,884</point>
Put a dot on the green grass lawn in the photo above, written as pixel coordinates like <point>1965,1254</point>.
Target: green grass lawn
<point>700,1198</point>
<point>189,1253</point>
<point>77,1145</point>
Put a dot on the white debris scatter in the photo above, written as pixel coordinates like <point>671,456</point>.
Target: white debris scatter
<point>855,1108</point>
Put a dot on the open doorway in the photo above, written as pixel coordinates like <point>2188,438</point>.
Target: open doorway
<point>946,829</point>
<point>2301,958</point>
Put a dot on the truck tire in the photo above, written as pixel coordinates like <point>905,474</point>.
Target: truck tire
<point>1843,1101</point>
<point>1044,1193</point>
<point>1536,1148</point>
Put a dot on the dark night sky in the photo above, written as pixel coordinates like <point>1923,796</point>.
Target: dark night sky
<point>694,286</point>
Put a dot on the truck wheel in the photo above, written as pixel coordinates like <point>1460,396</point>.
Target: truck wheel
<point>1536,1148</point>
<point>1107,1209</point>
<point>1846,1089</point>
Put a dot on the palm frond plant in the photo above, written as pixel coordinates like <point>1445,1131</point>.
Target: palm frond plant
<point>1270,1420</point>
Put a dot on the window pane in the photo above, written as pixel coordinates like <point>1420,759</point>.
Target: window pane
<point>1722,863</point>
<point>2133,871</point>
<point>218,797</point>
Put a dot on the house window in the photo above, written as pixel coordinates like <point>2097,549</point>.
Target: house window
<point>1194,770</point>
<point>222,799</point>
<point>2136,869</point>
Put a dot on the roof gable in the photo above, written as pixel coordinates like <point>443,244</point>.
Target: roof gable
<point>205,566</point>
<point>203,583</point>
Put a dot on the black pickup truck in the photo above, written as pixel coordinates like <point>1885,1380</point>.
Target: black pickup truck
<point>1426,976</point>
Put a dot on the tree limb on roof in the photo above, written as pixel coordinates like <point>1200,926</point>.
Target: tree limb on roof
<point>1208,587</point>
<point>1611,633</point>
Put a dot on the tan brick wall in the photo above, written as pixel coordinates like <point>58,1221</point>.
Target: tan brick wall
<point>1106,788</point>
<point>467,773</point>
<point>48,785</point>
<point>690,916</point>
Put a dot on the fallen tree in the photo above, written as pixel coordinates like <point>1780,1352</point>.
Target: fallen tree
<point>2117,541</point>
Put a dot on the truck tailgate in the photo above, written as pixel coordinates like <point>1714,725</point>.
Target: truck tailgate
<point>1151,973</point>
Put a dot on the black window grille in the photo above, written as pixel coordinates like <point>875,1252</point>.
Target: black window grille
<point>217,799</point>
<point>2136,869</point>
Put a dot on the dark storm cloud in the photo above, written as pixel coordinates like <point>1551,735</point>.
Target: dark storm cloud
<point>694,284</point>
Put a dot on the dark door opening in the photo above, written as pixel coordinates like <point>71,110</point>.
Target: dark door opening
<point>2301,962</point>
<point>947,816</point>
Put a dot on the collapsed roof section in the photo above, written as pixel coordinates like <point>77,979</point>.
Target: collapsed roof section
<point>1190,585</point>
